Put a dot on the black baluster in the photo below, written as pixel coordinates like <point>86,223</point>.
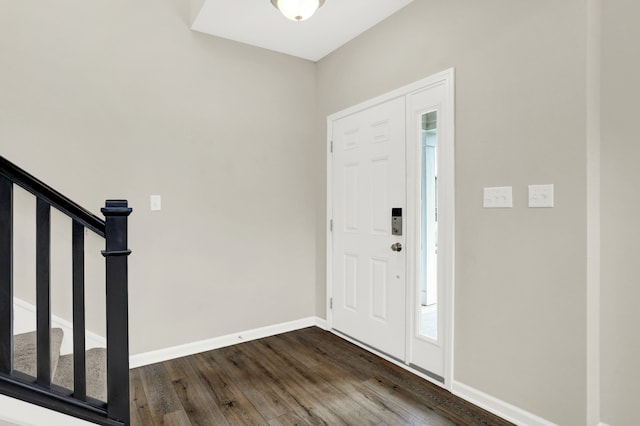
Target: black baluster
<point>79,344</point>
<point>6,275</point>
<point>43,291</point>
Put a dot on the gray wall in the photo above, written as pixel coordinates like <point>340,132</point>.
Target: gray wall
<point>520,331</point>
<point>620,213</point>
<point>113,98</point>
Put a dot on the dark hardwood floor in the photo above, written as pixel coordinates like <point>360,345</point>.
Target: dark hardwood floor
<point>306,377</point>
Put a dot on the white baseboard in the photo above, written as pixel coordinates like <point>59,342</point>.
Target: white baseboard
<point>24,321</point>
<point>322,323</point>
<point>179,351</point>
<point>25,414</point>
<point>498,407</point>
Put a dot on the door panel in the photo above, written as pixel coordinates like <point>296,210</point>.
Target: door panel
<point>432,213</point>
<point>369,293</point>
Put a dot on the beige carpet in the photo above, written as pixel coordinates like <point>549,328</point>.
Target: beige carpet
<point>25,351</point>
<point>96,373</point>
<point>25,361</point>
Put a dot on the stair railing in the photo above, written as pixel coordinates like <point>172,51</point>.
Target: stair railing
<point>113,229</point>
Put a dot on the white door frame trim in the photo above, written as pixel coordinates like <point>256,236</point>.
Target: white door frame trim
<point>447,230</point>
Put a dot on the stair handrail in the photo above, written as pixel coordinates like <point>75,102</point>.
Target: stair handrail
<point>54,198</point>
<point>114,231</point>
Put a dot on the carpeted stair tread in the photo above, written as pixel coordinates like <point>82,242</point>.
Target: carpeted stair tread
<point>96,373</point>
<point>25,352</point>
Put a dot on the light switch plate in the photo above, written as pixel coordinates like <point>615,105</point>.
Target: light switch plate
<point>540,196</point>
<point>498,197</point>
<point>156,203</point>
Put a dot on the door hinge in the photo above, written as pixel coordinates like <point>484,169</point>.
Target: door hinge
<point>331,225</point>
<point>331,303</point>
<point>331,147</point>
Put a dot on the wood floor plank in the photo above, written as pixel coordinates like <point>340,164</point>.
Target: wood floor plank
<point>466,414</point>
<point>307,354</point>
<point>140,411</point>
<point>334,399</point>
<point>197,403</point>
<point>305,400</point>
<point>178,368</point>
<point>407,400</point>
<point>236,408</point>
<point>193,394</point>
<point>289,419</point>
<point>340,351</point>
<point>248,376</point>
<point>177,418</point>
<point>161,396</point>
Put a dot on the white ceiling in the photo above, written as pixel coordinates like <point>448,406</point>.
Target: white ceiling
<point>258,23</point>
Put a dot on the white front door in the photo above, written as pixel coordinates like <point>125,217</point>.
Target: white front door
<point>369,264</point>
<point>393,291</point>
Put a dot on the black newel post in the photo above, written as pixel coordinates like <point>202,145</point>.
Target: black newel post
<point>116,213</point>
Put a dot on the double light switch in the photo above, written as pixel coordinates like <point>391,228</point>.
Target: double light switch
<point>541,196</point>
<point>498,197</point>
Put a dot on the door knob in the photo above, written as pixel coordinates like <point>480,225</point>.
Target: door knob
<point>396,247</point>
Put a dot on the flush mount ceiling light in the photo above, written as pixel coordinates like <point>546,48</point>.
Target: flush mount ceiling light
<point>297,10</point>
